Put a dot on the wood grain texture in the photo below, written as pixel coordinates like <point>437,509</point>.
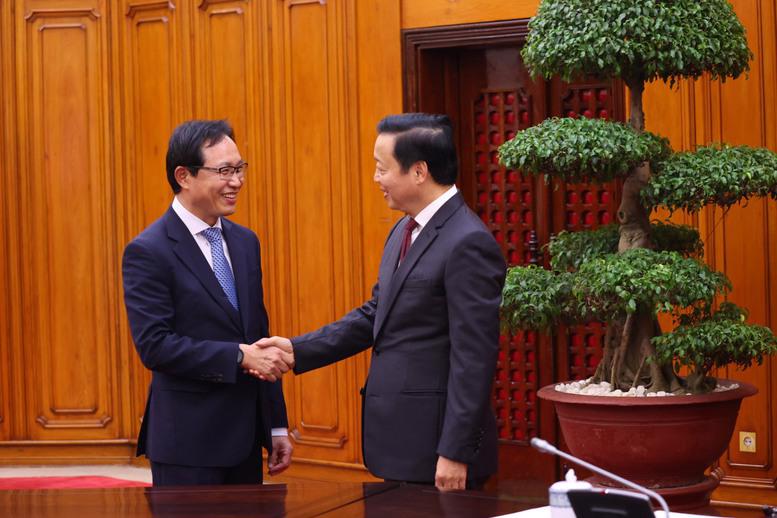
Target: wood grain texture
<point>451,12</point>
<point>7,180</point>
<point>68,300</point>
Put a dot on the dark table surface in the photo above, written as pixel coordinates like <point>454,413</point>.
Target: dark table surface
<point>296,499</point>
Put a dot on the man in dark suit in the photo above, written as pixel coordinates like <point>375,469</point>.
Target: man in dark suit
<point>432,321</point>
<point>193,292</point>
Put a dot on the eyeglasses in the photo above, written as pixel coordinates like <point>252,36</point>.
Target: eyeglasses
<point>225,172</point>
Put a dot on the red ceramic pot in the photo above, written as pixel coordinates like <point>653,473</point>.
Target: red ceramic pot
<point>664,443</point>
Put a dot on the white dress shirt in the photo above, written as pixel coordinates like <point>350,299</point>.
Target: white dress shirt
<point>423,217</point>
<point>195,225</point>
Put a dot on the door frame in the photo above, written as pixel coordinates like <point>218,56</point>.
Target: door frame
<point>414,41</point>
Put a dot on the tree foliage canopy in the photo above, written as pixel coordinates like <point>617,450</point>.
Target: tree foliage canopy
<point>637,39</point>
<point>608,287</point>
<point>719,175</point>
<point>578,150</point>
<point>716,342</point>
<point>568,250</point>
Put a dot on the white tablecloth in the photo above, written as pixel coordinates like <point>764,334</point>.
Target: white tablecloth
<point>544,512</point>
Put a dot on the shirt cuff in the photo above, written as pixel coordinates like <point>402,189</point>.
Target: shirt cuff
<point>279,432</point>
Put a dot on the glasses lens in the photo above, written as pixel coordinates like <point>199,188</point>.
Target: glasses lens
<point>226,172</point>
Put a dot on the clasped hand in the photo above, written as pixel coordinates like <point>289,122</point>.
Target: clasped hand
<point>268,358</point>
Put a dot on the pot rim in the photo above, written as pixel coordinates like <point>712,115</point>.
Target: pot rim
<point>549,393</point>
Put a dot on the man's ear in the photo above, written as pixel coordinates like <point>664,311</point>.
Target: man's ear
<point>420,171</point>
<point>182,176</point>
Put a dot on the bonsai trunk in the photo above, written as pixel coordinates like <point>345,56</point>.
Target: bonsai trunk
<point>636,88</point>
<point>634,219</point>
<point>627,349</point>
<point>698,382</point>
<point>627,345</point>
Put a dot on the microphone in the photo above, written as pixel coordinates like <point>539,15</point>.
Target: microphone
<point>545,447</point>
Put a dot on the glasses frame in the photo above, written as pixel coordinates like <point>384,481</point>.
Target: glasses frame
<point>225,172</point>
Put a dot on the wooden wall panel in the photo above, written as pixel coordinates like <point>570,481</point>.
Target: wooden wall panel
<point>323,245</point>
<point>131,71</point>
<point>430,13</point>
<point>157,95</point>
<point>225,67</point>
<point>8,165</point>
<point>67,296</point>
<point>312,244</point>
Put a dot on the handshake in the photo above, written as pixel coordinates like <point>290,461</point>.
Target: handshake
<point>268,358</point>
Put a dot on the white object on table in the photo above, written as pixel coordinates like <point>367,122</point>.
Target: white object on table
<point>544,512</point>
<point>557,495</point>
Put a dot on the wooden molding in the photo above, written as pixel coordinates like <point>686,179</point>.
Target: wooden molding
<point>67,452</point>
<point>68,443</point>
<point>134,8</point>
<point>62,26</point>
<point>323,442</point>
<point>464,35</point>
<point>205,4</point>
<point>34,14</point>
<point>73,411</point>
<point>321,428</point>
<point>232,10</point>
<point>160,19</point>
<point>292,3</point>
<point>54,425</point>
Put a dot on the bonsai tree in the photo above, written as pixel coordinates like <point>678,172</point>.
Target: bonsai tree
<point>626,274</point>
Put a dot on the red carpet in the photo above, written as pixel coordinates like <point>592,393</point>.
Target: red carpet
<point>66,482</point>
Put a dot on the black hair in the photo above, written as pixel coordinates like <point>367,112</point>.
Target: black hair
<point>186,143</point>
<point>423,137</point>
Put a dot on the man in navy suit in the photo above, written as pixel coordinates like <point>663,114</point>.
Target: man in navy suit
<point>432,321</point>
<point>193,292</point>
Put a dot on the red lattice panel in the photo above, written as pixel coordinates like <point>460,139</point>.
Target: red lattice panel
<point>505,197</point>
<point>588,100</point>
<point>586,207</point>
<point>505,203</point>
<point>585,345</point>
<point>515,387</point>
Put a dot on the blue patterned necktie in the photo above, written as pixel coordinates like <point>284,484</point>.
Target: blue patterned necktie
<point>220,265</point>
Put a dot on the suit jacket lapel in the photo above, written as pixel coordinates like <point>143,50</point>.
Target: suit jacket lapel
<point>420,245</point>
<point>386,272</point>
<point>191,256</point>
<point>240,268</point>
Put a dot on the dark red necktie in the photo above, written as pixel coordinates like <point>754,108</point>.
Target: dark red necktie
<point>407,238</point>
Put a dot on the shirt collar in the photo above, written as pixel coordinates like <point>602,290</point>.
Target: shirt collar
<point>423,217</point>
<point>194,224</point>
